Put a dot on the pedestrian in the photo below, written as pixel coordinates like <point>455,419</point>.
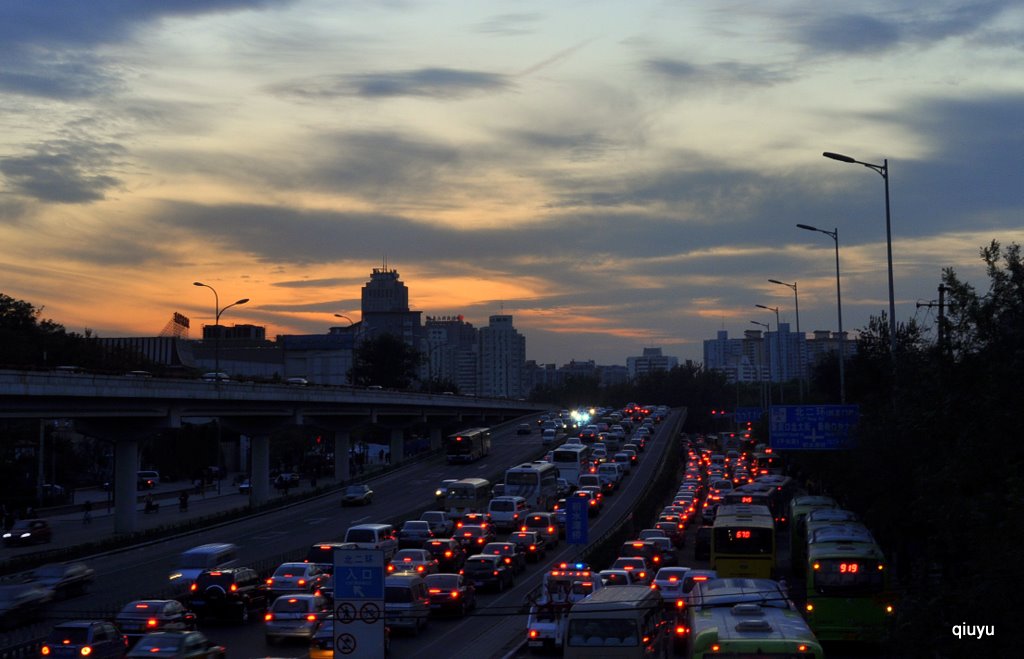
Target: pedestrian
<point>183,501</point>
<point>380,456</point>
<point>387,457</point>
<point>87,512</point>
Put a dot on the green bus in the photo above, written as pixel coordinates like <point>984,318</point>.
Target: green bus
<point>849,597</point>
<point>743,541</point>
<point>751,630</point>
<point>799,507</point>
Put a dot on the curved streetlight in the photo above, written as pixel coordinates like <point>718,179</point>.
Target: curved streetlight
<point>799,345</point>
<point>834,235</point>
<point>768,328</point>
<point>778,352</point>
<point>341,315</point>
<point>883,171</point>
<point>217,311</point>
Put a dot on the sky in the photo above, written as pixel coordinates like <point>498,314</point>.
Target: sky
<point>616,175</point>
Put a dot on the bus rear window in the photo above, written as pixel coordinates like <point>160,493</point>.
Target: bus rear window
<point>738,540</point>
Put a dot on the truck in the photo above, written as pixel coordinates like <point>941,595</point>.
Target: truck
<point>563,585</point>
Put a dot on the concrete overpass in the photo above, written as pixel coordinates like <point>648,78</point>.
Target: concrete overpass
<point>126,409</point>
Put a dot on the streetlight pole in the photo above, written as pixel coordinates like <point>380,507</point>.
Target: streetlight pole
<point>778,353</point>
<point>341,315</point>
<point>883,171</point>
<point>834,235</point>
<point>800,344</point>
<point>760,379</point>
<point>217,311</point>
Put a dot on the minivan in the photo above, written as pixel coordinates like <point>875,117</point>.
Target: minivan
<point>210,556</point>
<point>406,601</point>
<point>374,536</point>
<point>507,511</point>
<point>544,524</point>
<point>547,437</point>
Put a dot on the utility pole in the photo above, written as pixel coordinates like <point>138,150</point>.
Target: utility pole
<point>941,304</point>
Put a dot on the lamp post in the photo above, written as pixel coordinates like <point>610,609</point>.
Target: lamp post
<point>759,378</point>
<point>341,315</point>
<point>883,171</point>
<point>217,311</point>
<point>834,235</point>
<point>778,352</point>
<point>800,344</point>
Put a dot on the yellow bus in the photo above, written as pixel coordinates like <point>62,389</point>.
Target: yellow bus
<point>743,542</point>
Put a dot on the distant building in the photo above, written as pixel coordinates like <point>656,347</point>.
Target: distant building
<point>502,372</point>
<point>385,309</point>
<point>774,356</point>
<point>652,360</point>
<point>450,348</point>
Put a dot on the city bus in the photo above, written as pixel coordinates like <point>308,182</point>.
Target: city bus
<point>468,445</point>
<point>468,495</point>
<point>799,507</point>
<point>751,629</point>
<point>743,542</point>
<point>768,463</point>
<point>847,587</point>
<point>572,461</point>
<point>537,482</point>
<point>625,621</point>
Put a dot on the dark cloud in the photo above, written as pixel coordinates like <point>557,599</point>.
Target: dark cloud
<point>57,75</point>
<point>717,74</point>
<point>64,171</point>
<point>315,283</point>
<point>436,83</point>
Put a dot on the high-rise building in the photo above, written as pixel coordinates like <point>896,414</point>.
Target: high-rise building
<point>385,309</point>
<point>652,360</point>
<point>502,371</point>
<point>450,348</point>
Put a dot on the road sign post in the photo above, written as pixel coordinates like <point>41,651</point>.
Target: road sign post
<point>359,603</point>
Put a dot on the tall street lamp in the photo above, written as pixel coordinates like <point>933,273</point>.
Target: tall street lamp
<point>800,344</point>
<point>778,352</point>
<point>883,171</point>
<point>216,315</point>
<point>768,328</point>
<point>834,235</point>
<point>341,315</point>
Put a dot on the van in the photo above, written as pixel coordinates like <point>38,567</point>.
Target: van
<point>374,536</point>
<point>625,621</point>
<point>212,556</point>
<point>544,524</point>
<point>507,511</point>
<point>406,602</point>
<point>609,471</point>
<point>547,437</point>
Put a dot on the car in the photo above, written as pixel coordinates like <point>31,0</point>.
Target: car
<point>322,553</point>
<point>596,493</point>
<point>483,519</point>
<point>441,493</point>
<point>488,571</point>
<point>301,382</point>
<point>286,481</point>
<point>645,549</point>
<point>95,639</point>
<point>245,486</point>
<point>474,536</point>
<point>507,511</point>
<point>360,495</point>
<point>592,502</point>
<point>178,645</point>
<point>64,579</point>
<point>294,617</point>
<point>419,561</point>
<point>667,549</point>
<point>228,594</point>
<point>28,532</point>
<point>449,553</point>
<point>702,544</point>
<point>147,480</point>
<point>616,577</point>
<point>450,593</point>
<point>219,376</point>
<point>545,526</point>
<point>530,543</point>
<point>547,437</point>
<point>524,429</point>
<point>295,578</point>
<point>22,602</point>
<point>510,553</point>
<point>639,568</point>
<point>669,581</point>
<point>563,488</point>
<point>406,602</point>
<point>414,533</point>
<point>141,617</point>
<point>440,524</point>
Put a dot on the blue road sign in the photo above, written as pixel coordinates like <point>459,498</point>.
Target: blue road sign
<point>813,427</point>
<point>576,521</point>
<point>747,414</point>
<point>358,574</point>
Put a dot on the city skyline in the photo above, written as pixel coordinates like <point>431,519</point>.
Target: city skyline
<point>614,176</point>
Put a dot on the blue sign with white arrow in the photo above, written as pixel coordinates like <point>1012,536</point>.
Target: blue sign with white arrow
<point>813,427</point>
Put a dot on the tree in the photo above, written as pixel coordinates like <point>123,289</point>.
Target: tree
<point>384,361</point>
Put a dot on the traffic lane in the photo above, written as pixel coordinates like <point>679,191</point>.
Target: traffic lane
<point>497,626</point>
<point>280,534</point>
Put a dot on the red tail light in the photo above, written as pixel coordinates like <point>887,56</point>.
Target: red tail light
<point>152,622</point>
<point>448,554</point>
<point>311,617</point>
<point>455,594</point>
<point>234,587</point>
<point>268,617</point>
<point>85,651</point>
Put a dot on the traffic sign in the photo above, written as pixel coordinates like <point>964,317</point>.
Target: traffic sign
<point>359,575</point>
<point>747,414</point>
<point>359,603</point>
<point>576,522</point>
<point>813,427</point>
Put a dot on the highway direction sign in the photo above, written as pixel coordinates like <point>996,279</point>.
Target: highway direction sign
<point>576,522</point>
<point>813,427</point>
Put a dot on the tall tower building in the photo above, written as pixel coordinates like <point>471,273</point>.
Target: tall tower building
<point>450,349</point>
<point>502,360</point>
<point>385,308</point>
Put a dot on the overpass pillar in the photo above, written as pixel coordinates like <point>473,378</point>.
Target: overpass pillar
<point>259,493</point>
<point>397,445</point>
<point>126,478</point>
<point>342,445</point>
<point>435,438</point>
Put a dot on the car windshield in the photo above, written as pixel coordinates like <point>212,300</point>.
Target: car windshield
<point>360,535</point>
<point>442,581</point>
<point>140,609</point>
<point>502,506</point>
<point>408,555</point>
<point>68,636</point>
<point>52,570</point>
<point>158,644</point>
<point>355,489</point>
<point>416,525</point>
<point>290,605</point>
<point>290,570</point>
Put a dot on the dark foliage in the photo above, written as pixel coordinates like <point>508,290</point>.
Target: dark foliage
<point>385,361</point>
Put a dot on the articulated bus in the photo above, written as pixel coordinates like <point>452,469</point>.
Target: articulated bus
<point>468,445</point>
<point>537,482</point>
<point>572,460</point>
<point>848,589</point>
<point>743,542</point>
<point>751,630</point>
